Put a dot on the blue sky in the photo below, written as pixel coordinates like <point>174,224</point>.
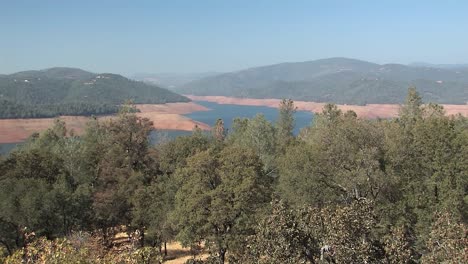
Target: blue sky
<point>203,35</point>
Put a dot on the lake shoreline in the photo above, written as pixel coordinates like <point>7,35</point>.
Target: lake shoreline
<point>370,111</point>
<point>177,116</point>
<point>168,116</point>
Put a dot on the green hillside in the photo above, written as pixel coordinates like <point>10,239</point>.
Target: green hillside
<point>69,91</point>
<point>338,80</point>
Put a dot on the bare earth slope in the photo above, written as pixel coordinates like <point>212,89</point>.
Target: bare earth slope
<point>366,111</point>
<point>164,116</point>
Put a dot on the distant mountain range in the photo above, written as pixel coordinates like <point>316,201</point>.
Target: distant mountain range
<point>338,80</point>
<point>171,80</point>
<point>441,66</point>
<point>70,91</point>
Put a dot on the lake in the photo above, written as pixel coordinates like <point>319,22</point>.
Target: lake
<point>226,112</point>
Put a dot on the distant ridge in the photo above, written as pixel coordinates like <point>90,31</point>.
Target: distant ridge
<point>442,66</point>
<point>70,91</point>
<point>338,80</point>
<point>171,80</point>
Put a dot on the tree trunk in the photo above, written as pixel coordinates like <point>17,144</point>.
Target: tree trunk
<point>222,255</point>
<point>17,238</point>
<point>106,237</point>
<point>165,248</point>
<point>142,238</point>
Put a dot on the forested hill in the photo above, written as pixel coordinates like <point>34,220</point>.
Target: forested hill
<point>337,80</point>
<point>69,91</point>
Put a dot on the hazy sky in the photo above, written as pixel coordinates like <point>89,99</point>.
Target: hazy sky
<point>200,35</point>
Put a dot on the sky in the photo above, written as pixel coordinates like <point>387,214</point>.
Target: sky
<point>129,37</point>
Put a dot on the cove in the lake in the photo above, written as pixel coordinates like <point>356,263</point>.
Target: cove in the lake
<point>228,112</point>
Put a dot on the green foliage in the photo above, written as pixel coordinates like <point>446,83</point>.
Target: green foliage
<point>121,167</point>
<point>259,135</point>
<point>219,132</point>
<point>286,236</point>
<point>285,123</point>
<point>43,188</point>
<point>426,154</point>
<point>143,255</point>
<point>296,184</point>
<point>66,91</point>
<point>221,192</point>
<point>411,110</point>
<point>155,203</point>
<point>340,154</point>
<point>351,190</point>
<point>339,80</point>
<point>398,246</point>
<point>174,154</point>
<point>66,251</point>
<point>57,183</point>
<point>46,251</point>
<point>301,235</point>
<point>13,109</point>
<point>448,241</point>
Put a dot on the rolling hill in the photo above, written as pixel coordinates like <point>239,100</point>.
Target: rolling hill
<point>70,91</point>
<point>338,80</point>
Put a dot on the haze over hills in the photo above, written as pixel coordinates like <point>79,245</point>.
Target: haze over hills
<point>171,80</point>
<point>338,80</point>
<point>442,66</point>
<point>70,91</point>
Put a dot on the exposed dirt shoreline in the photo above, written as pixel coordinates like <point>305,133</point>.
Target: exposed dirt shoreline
<point>365,111</point>
<point>170,116</point>
<point>164,116</point>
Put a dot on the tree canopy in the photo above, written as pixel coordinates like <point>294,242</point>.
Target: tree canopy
<point>345,190</point>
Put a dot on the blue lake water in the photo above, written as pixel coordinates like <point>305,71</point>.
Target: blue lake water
<point>7,147</point>
<point>224,111</point>
<point>229,112</point>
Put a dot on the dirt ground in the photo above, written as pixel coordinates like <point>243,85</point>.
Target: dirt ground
<point>176,254</point>
<point>366,111</point>
<point>164,116</point>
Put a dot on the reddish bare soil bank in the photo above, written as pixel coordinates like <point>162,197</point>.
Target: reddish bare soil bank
<point>366,111</point>
<point>165,116</point>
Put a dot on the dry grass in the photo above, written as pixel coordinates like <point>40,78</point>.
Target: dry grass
<point>176,254</point>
